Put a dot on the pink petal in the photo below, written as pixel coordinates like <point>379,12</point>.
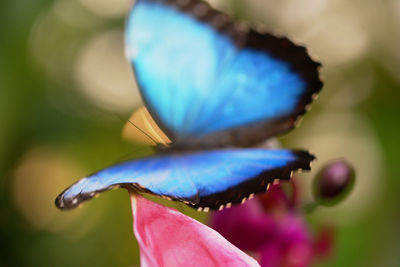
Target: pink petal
<point>169,238</point>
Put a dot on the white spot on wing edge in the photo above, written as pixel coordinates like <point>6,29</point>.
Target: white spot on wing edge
<point>113,187</point>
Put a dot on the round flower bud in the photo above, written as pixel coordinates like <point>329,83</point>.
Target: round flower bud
<point>333,183</point>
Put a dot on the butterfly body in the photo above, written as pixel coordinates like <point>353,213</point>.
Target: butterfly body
<point>212,86</point>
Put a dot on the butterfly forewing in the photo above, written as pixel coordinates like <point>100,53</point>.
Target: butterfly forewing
<point>210,86</point>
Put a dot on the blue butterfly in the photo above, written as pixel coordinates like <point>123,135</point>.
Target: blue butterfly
<point>216,88</point>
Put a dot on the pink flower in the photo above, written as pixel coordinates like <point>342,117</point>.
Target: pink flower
<point>167,237</point>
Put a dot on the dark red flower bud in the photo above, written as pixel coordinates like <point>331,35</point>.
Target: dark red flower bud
<point>333,183</point>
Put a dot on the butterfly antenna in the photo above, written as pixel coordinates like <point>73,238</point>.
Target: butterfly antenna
<point>146,134</point>
<point>137,127</point>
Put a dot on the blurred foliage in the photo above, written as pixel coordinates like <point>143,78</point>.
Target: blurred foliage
<point>52,114</point>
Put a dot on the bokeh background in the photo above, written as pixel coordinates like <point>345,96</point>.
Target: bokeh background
<point>66,91</point>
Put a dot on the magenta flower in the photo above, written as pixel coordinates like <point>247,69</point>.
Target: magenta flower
<point>167,237</point>
<point>269,227</point>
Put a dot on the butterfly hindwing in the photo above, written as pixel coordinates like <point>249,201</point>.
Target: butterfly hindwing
<point>201,179</point>
<point>203,77</point>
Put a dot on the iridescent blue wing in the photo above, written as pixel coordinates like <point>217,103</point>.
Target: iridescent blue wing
<point>203,179</point>
<point>210,82</point>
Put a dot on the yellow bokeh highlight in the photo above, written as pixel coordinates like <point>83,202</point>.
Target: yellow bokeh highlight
<point>39,177</point>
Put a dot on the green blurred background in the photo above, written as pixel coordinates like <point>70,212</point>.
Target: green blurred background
<point>66,90</point>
